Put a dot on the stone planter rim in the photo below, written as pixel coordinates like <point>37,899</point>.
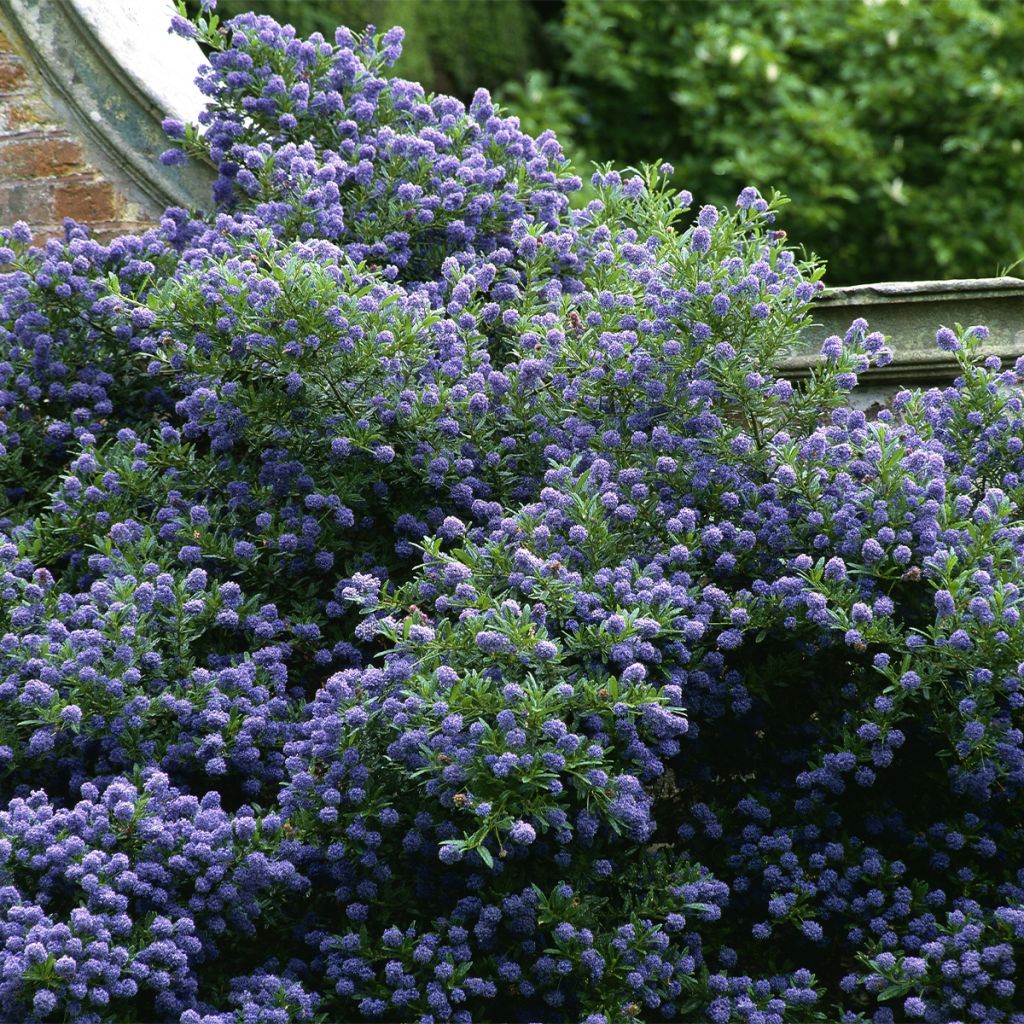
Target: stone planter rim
<point>917,361</point>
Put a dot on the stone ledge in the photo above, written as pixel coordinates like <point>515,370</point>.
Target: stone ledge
<point>159,66</point>
<point>920,291</point>
<point>910,312</point>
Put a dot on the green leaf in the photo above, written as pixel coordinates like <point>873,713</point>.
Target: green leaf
<point>899,988</point>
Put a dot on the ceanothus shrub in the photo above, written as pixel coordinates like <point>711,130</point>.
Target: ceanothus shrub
<point>421,600</point>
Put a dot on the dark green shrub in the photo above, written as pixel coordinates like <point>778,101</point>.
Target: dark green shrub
<point>895,127</point>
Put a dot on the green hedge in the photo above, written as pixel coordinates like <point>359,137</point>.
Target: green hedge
<point>896,127</point>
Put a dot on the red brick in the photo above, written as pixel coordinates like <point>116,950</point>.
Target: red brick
<point>44,173</point>
<point>25,112</point>
<point>38,157</point>
<point>86,201</point>
<point>13,74</point>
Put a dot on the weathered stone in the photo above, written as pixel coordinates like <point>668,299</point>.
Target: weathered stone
<point>909,313</point>
<point>27,157</point>
<point>86,201</point>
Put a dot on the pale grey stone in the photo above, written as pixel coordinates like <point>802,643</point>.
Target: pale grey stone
<point>909,313</point>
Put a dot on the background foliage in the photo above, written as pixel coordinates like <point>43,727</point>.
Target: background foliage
<point>889,123</point>
<point>896,127</point>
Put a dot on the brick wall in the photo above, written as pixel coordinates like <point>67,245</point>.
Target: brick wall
<point>45,170</point>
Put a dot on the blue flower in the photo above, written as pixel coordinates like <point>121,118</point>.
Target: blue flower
<point>523,833</point>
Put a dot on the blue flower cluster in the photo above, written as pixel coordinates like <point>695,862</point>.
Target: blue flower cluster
<point>422,600</point>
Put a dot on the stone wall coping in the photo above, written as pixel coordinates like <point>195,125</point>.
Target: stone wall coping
<point>921,291</point>
<point>911,365</point>
<point>888,306</point>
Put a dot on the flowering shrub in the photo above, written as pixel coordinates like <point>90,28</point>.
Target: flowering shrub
<point>422,601</point>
